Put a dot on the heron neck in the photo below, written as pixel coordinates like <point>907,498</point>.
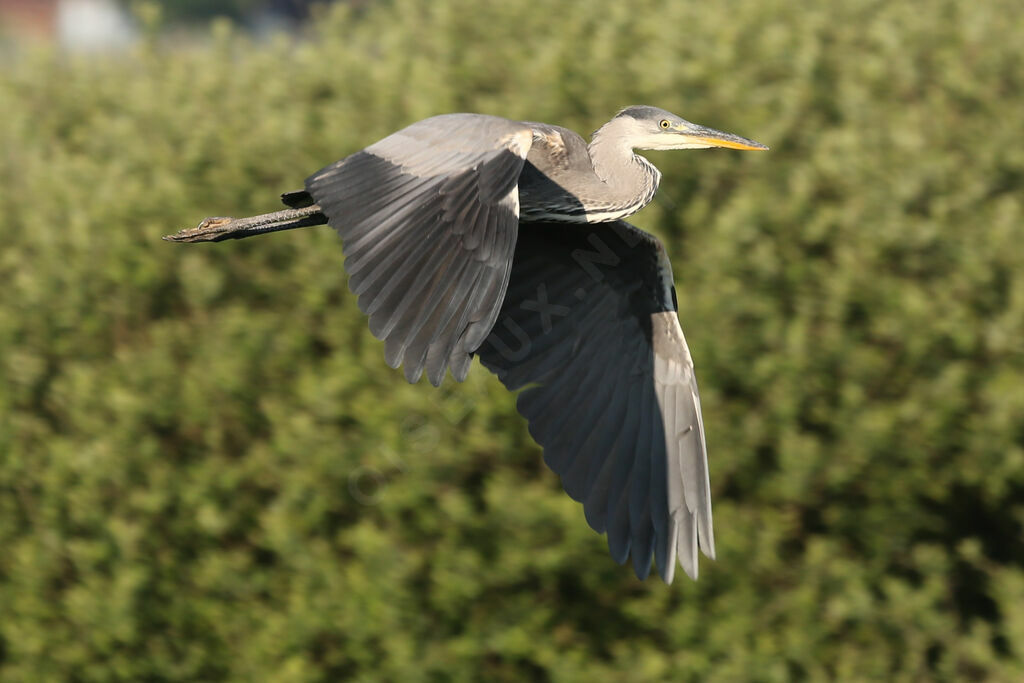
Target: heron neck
<point>631,179</point>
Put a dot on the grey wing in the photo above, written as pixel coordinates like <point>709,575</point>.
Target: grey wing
<point>428,218</point>
<point>589,327</point>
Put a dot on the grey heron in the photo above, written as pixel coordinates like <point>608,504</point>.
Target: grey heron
<point>468,234</point>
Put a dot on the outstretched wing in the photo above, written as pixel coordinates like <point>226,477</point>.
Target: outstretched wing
<point>589,327</point>
<point>428,217</point>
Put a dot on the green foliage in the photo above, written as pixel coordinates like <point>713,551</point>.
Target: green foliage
<point>192,10</point>
<point>207,472</point>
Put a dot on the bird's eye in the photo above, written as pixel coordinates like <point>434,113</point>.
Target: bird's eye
<point>664,123</point>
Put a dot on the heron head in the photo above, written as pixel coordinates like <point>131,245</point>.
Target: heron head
<point>651,128</point>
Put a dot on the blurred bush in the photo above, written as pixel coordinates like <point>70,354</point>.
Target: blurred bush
<point>207,472</point>
<point>194,10</point>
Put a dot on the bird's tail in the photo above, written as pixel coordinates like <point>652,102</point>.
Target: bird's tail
<point>223,228</point>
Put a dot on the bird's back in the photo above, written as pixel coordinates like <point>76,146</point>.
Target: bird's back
<point>558,176</point>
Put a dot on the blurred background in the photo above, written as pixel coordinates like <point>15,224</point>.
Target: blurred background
<point>207,472</point>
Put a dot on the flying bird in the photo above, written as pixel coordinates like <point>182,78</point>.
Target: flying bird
<point>473,235</point>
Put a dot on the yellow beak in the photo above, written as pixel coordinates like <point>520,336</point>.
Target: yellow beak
<point>716,138</point>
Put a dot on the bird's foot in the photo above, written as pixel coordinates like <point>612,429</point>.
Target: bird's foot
<point>208,230</point>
